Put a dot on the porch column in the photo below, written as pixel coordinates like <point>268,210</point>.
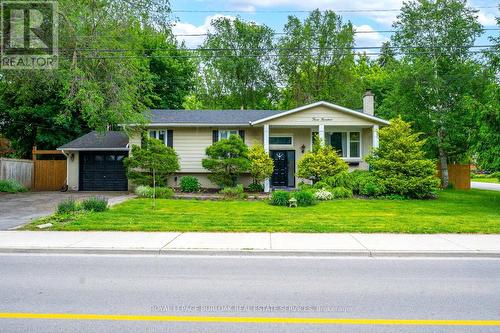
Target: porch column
<point>321,133</point>
<point>375,136</point>
<point>267,186</point>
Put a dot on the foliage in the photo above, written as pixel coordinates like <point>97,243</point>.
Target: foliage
<point>158,192</point>
<point>323,195</point>
<point>279,198</point>
<point>233,193</point>
<point>321,163</point>
<point>399,164</point>
<point>227,160</point>
<point>190,184</point>
<point>153,155</point>
<point>341,193</point>
<point>235,80</point>
<point>261,164</point>
<point>256,187</point>
<point>303,186</point>
<point>341,179</point>
<point>304,198</point>
<point>95,204</point>
<point>11,186</point>
<point>321,184</point>
<point>68,205</point>
<point>365,183</point>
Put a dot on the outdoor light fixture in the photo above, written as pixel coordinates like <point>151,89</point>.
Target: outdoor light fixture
<point>72,157</point>
<point>303,148</point>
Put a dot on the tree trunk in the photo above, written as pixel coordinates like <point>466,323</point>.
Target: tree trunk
<point>443,161</point>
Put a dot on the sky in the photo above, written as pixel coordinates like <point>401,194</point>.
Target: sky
<point>198,14</point>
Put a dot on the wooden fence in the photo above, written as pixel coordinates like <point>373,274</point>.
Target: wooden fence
<point>458,175</point>
<point>49,174</point>
<point>20,170</point>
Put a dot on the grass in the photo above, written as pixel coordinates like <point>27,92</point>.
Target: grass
<point>485,180</point>
<point>473,211</point>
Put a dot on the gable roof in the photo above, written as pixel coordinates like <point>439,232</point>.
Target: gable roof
<point>110,140</point>
<point>209,117</point>
<point>325,104</point>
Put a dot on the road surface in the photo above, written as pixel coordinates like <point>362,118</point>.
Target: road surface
<point>485,186</point>
<point>192,293</point>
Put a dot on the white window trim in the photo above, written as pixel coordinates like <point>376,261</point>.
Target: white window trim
<point>348,148</point>
<point>279,136</point>
<point>219,132</point>
<point>157,135</point>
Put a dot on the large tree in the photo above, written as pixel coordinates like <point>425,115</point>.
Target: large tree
<point>437,75</point>
<point>235,66</point>
<point>316,61</point>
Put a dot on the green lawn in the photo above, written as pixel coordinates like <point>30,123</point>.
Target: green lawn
<point>473,211</point>
<point>485,180</point>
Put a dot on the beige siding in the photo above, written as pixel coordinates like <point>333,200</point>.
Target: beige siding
<point>134,139</point>
<point>320,114</point>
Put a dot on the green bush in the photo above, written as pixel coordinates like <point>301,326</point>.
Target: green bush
<point>190,184</point>
<point>323,195</point>
<point>359,178</point>
<point>321,184</point>
<point>95,204</point>
<point>160,193</point>
<point>304,187</point>
<point>341,193</point>
<point>255,187</point>
<point>233,193</point>
<point>11,186</point>
<point>280,198</point>
<point>304,198</point>
<point>372,188</point>
<point>68,205</point>
<point>342,179</point>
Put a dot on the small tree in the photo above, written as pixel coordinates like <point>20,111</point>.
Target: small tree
<point>261,164</point>
<point>400,163</point>
<point>153,155</point>
<point>227,160</point>
<point>321,163</point>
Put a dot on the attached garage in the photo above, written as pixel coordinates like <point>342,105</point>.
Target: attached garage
<point>95,162</point>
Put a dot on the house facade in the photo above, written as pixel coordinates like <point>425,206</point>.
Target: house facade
<point>95,161</point>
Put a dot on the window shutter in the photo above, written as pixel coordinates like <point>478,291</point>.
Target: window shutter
<point>215,136</point>
<point>170,138</point>
<point>241,133</point>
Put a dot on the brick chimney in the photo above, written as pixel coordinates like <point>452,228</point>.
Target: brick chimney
<point>369,103</point>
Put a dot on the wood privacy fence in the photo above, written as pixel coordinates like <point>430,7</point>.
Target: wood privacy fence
<point>459,175</point>
<point>20,170</point>
<point>49,173</point>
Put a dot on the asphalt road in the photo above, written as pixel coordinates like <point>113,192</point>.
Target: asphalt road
<point>419,289</point>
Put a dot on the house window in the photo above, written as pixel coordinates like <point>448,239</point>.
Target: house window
<point>347,144</point>
<point>225,134</point>
<point>281,140</point>
<point>158,134</point>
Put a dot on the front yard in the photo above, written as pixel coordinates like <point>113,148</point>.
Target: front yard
<point>473,211</point>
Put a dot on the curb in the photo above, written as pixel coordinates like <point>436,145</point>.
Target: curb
<point>262,253</point>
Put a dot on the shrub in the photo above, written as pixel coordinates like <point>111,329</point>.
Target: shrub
<point>342,179</point>
<point>321,163</point>
<point>190,184</point>
<point>323,195</point>
<point>321,184</point>
<point>233,193</point>
<point>226,159</point>
<point>304,187</point>
<point>304,198</point>
<point>400,163</point>
<point>68,205</point>
<point>256,187</point>
<point>280,198</point>
<point>148,192</point>
<point>261,164</point>
<point>95,204</point>
<point>359,178</point>
<point>372,188</point>
<point>11,186</point>
<point>153,155</point>
<point>341,193</point>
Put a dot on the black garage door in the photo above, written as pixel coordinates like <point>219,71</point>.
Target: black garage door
<point>102,171</point>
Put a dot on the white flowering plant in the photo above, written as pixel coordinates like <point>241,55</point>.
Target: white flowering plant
<point>323,194</point>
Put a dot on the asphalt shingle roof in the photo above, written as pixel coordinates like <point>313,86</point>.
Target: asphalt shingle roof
<point>96,140</point>
<point>209,116</point>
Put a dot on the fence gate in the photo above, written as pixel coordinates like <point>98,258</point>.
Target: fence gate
<point>458,175</point>
<point>49,170</point>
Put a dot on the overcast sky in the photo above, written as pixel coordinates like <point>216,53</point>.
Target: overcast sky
<point>199,22</point>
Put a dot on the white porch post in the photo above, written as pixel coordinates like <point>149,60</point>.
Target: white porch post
<point>321,133</point>
<point>267,185</point>
<point>375,136</point>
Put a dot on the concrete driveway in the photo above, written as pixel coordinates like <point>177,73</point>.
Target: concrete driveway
<point>20,208</point>
<point>485,186</point>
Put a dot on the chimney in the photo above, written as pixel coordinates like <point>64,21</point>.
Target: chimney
<point>368,103</point>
